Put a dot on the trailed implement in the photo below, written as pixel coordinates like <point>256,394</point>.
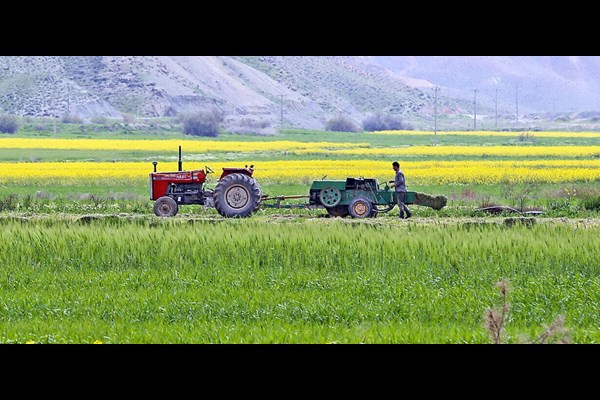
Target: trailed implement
<point>355,197</point>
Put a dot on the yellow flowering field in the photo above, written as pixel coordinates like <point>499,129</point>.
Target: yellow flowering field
<point>305,171</point>
<point>494,133</point>
<point>475,151</point>
<point>478,166</point>
<point>167,145</point>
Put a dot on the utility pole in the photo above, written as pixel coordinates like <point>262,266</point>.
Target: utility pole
<point>43,104</point>
<point>496,124</point>
<point>517,101</point>
<point>475,111</point>
<point>281,122</point>
<point>68,99</point>
<point>435,117</point>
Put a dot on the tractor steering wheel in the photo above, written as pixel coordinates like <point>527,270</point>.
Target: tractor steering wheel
<point>208,170</point>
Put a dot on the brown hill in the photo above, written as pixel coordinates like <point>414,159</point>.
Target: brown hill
<point>293,91</point>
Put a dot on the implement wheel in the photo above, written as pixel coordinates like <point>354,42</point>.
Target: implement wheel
<point>360,208</point>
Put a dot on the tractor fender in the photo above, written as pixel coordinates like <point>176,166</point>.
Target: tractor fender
<point>244,171</point>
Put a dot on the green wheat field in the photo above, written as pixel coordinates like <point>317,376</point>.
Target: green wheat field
<point>87,262</point>
<point>147,280</point>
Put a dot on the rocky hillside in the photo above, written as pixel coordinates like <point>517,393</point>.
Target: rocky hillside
<point>300,91</point>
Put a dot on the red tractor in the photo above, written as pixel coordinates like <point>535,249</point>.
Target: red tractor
<point>237,193</point>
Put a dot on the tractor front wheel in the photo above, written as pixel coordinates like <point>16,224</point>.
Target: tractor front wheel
<point>165,207</point>
<point>237,195</point>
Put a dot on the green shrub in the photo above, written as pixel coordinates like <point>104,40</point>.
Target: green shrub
<point>202,123</point>
<point>381,122</point>
<point>590,202</point>
<point>341,123</point>
<point>99,119</point>
<point>71,119</point>
<point>128,118</point>
<point>9,202</point>
<point>559,204</point>
<point>8,124</point>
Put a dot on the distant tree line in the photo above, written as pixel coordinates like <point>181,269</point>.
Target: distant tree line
<point>374,122</point>
<point>208,123</point>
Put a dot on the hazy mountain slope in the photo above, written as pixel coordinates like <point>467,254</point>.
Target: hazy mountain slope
<point>143,86</point>
<point>537,83</point>
<point>302,91</point>
<point>296,91</point>
<point>340,83</point>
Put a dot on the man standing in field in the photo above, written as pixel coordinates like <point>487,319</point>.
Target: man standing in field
<point>400,187</point>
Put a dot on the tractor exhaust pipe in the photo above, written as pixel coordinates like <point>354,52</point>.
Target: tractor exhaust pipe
<point>180,163</point>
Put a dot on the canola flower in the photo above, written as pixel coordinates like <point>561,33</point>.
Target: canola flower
<point>473,151</point>
<point>169,145</point>
<point>493,133</point>
<point>305,171</point>
<point>564,167</point>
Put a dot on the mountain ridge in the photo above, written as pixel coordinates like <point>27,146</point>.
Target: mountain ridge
<point>295,91</point>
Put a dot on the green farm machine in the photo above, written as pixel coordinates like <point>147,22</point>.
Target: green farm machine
<point>363,197</point>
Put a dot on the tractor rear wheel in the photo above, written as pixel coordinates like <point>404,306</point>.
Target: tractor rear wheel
<point>360,208</point>
<point>165,207</point>
<point>237,195</point>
